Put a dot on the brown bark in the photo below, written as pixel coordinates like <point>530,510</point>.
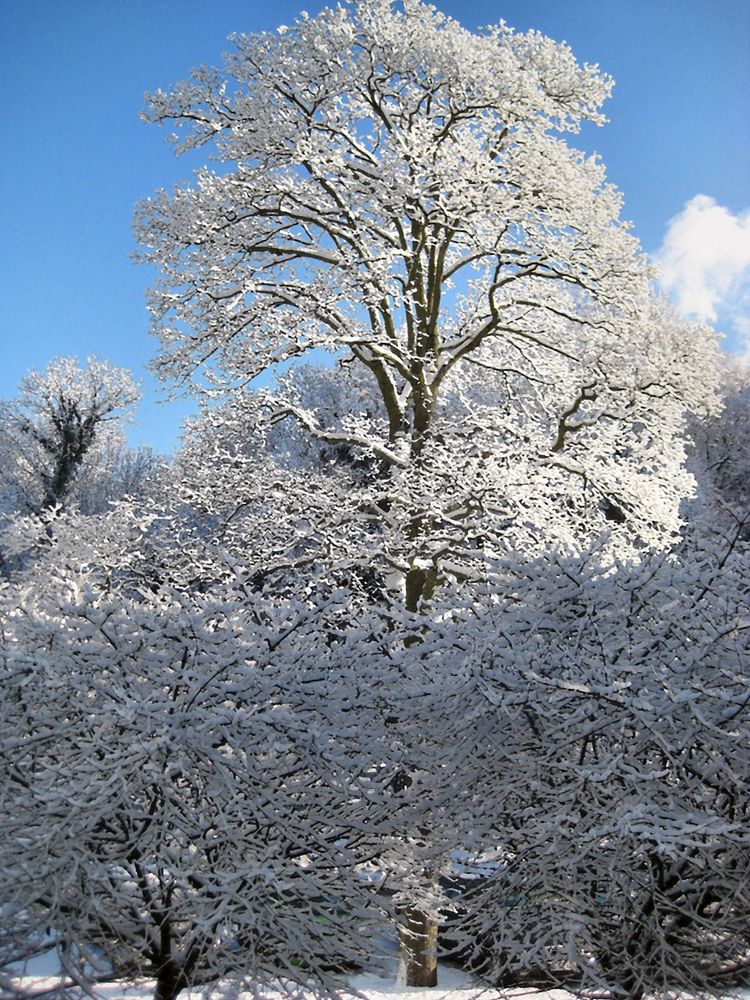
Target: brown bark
<point>417,948</point>
<point>417,931</point>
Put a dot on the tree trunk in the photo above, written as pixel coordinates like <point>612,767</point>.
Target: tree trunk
<point>169,982</point>
<point>417,931</point>
<point>417,939</point>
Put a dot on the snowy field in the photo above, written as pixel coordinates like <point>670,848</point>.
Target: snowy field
<point>41,979</point>
<point>455,984</point>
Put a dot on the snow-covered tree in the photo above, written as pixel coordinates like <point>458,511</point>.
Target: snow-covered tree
<point>195,775</point>
<point>402,197</point>
<point>62,420</point>
<point>63,445</point>
<point>115,471</point>
<point>608,714</point>
<point>185,792</point>
<point>720,458</point>
<point>397,191</point>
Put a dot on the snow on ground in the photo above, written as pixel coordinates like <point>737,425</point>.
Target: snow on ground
<point>42,975</point>
<point>454,984</point>
<point>369,986</point>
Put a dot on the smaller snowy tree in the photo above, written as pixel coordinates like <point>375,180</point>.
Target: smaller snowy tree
<point>610,774</point>
<point>186,791</point>
<point>61,416</point>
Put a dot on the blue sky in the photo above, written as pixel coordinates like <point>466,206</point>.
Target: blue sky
<point>75,159</point>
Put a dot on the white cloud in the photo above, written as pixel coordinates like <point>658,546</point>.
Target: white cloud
<point>705,264</point>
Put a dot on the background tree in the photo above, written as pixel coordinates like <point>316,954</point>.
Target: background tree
<point>115,470</point>
<point>397,191</point>
<point>720,459</point>
<point>59,421</point>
